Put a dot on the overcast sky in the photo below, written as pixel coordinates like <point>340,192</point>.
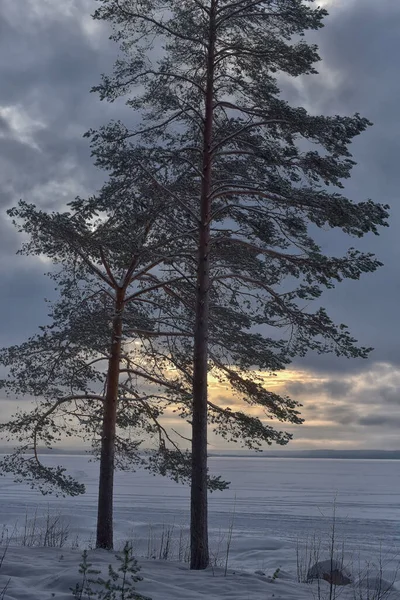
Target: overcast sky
<point>51,53</point>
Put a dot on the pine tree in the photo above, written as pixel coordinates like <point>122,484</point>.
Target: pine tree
<point>120,584</point>
<point>254,173</point>
<point>83,589</point>
<point>104,277</point>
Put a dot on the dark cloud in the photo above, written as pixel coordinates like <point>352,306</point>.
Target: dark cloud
<point>342,414</point>
<point>332,388</point>
<point>378,419</point>
<point>363,407</point>
<point>22,302</point>
<point>391,395</point>
<point>48,62</point>
<point>4,127</point>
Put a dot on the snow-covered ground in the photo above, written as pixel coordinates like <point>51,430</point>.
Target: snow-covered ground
<point>42,574</point>
<point>273,506</point>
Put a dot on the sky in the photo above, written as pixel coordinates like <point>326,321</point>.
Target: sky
<point>52,53</point>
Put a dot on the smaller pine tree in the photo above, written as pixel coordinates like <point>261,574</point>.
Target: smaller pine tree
<point>83,590</point>
<point>120,584</point>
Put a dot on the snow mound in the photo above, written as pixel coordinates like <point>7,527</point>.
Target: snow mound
<point>46,573</point>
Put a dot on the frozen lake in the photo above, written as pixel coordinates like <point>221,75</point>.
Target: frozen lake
<point>282,499</point>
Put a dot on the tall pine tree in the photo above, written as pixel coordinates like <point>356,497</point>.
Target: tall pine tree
<point>252,171</point>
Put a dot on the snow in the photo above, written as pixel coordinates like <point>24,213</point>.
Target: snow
<point>46,571</point>
<point>272,506</point>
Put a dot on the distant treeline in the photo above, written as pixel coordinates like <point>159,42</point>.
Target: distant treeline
<point>331,454</point>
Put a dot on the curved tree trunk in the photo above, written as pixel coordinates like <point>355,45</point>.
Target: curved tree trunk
<point>199,553</point>
<point>104,535</point>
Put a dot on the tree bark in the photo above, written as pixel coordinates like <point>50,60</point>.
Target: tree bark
<point>199,552</point>
<point>104,536</point>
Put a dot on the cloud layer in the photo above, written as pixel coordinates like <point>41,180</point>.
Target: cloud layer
<point>50,58</point>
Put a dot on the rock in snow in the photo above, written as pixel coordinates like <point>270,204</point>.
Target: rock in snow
<point>331,571</point>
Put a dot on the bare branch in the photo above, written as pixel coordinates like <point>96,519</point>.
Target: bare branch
<point>150,413</point>
<point>91,266</point>
<point>151,333</point>
<point>52,409</point>
<point>159,24</point>
<point>156,286</point>
<point>181,436</point>
<point>246,128</point>
<point>107,268</point>
<point>165,189</point>
<point>151,378</point>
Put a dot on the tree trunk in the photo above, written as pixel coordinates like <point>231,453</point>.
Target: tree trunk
<point>199,553</point>
<point>104,538</point>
